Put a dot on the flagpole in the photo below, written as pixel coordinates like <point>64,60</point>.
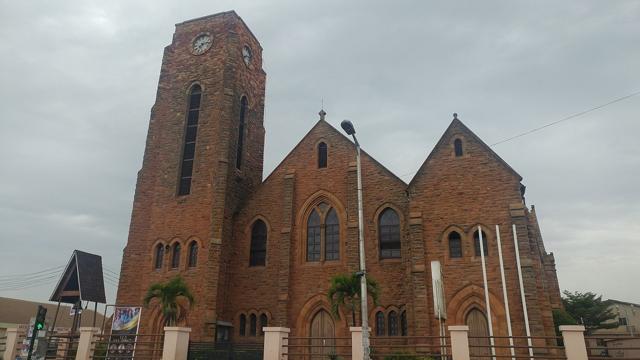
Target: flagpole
<point>504,294</point>
<point>486,294</point>
<point>522,297</point>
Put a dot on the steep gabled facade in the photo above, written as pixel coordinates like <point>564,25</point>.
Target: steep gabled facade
<point>258,252</point>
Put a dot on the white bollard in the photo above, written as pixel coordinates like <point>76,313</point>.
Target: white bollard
<point>85,344</point>
<point>176,343</point>
<point>275,340</point>
<point>459,342</point>
<point>574,345</point>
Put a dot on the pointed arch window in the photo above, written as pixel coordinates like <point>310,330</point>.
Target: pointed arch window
<point>323,234</point>
<point>457,147</point>
<point>403,323</point>
<point>332,236</point>
<point>193,254</point>
<point>264,322</point>
<point>476,243</point>
<point>393,323</point>
<point>258,253</point>
<point>189,148</point>
<point>244,104</point>
<point>159,256</point>
<point>455,245</point>
<point>322,155</point>
<point>175,256</point>
<point>380,323</point>
<point>389,234</point>
<point>253,325</point>
<point>243,325</point>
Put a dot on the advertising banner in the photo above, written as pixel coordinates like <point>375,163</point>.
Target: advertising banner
<point>124,328</point>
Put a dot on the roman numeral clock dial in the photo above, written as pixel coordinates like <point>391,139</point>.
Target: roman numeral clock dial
<point>201,44</point>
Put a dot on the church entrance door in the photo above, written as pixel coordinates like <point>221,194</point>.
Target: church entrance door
<point>478,327</point>
<point>322,335</point>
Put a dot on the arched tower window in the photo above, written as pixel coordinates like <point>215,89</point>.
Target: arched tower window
<point>322,155</point>
<point>243,325</point>
<point>264,322</point>
<point>389,234</point>
<point>403,324</point>
<point>258,253</point>
<point>241,125</point>
<point>189,149</point>
<point>455,245</point>
<point>457,147</point>
<point>313,237</point>
<point>175,256</point>
<point>193,254</point>
<point>476,243</point>
<point>332,236</point>
<point>393,323</point>
<point>252,325</point>
<point>159,256</point>
<point>380,323</point>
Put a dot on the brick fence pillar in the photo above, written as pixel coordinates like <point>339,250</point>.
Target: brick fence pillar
<point>574,345</point>
<point>85,343</point>
<point>459,342</point>
<point>275,341</point>
<point>11,349</point>
<point>176,343</point>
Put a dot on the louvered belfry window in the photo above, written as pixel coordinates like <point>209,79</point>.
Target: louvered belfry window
<point>191,132</point>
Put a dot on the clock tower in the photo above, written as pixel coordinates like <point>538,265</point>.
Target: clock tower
<point>203,157</point>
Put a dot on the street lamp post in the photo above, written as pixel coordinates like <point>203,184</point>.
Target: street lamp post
<point>347,126</point>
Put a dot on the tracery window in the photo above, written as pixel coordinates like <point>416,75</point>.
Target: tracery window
<point>455,245</point>
<point>159,256</point>
<point>193,254</point>
<point>380,323</point>
<point>403,323</point>
<point>322,155</point>
<point>389,234</point>
<point>241,125</point>
<point>393,323</point>
<point>258,253</point>
<point>252,325</point>
<point>323,234</point>
<point>243,325</point>
<point>264,322</point>
<point>189,149</point>
<point>175,256</point>
<point>476,243</point>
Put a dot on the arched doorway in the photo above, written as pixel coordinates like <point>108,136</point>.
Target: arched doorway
<point>322,332</point>
<point>478,334</point>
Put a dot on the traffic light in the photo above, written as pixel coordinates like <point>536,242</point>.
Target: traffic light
<point>42,313</point>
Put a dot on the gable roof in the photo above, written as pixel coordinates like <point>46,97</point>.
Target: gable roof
<point>457,124</point>
<point>82,279</point>
<point>324,124</point>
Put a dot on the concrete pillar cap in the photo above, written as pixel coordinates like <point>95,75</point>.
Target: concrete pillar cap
<point>177,329</point>
<point>276,329</point>
<point>577,328</point>
<point>458,328</point>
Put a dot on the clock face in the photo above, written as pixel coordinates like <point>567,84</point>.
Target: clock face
<point>246,55</point>
<point>201,44</point>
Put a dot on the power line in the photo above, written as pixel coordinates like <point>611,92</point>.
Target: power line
<point>567,118</point>
<point>33,273</point>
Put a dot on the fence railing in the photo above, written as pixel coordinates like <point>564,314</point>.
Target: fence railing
<point>518,347</point>
<point>612,346</point>
<point>317,348</point>
<point>62,346</point>
<point>404,347</point>
<point>139,346</point>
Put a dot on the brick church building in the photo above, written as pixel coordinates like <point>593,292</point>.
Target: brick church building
<point>258,252</point>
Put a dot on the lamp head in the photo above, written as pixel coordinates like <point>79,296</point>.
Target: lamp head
<point>347,126</point>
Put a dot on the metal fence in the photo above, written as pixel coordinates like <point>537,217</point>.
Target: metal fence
<point>518,347</point>
<point>120,347</point>
<point>211,350</point>
<point>410,347</point>
<point>317,348</point>
<point>62,346</point>
<point>612,346</point>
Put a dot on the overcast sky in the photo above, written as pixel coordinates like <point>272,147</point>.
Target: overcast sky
<point>78,79</point>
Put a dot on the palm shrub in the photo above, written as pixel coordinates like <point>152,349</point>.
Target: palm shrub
<point>345,292</point>
<point>168,295</point>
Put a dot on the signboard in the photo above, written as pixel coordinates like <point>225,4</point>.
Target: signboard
<point>124,328</point>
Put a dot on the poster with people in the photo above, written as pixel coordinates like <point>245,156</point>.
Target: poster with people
<point>124,327</point>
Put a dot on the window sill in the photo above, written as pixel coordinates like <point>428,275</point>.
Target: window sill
<point>390,260</point>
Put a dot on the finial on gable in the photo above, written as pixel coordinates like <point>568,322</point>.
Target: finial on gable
<point>322,113</point>
<point>455,116</point>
